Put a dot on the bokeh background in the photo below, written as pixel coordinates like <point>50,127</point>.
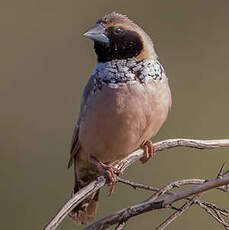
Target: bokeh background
<point>44,65</point>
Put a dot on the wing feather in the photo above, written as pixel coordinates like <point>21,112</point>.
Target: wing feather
<point>75,145</point>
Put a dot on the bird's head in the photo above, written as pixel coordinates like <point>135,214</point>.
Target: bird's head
<point>115,36</point>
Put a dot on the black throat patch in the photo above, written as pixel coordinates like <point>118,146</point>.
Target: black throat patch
<point>126,45</point>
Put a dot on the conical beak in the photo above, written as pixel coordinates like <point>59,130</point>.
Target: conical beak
<point>97,33</point>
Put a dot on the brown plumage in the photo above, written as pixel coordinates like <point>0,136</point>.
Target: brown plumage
<point>124,103</point>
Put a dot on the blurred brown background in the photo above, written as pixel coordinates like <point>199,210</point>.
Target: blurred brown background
<point>45,63</point>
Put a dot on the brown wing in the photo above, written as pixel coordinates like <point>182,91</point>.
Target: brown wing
<point>75,145</point>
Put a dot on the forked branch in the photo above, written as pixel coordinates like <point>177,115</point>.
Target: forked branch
<point>149,205</point>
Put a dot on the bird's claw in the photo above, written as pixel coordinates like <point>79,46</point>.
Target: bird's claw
<point>109,171</point>
<point>149,151</point>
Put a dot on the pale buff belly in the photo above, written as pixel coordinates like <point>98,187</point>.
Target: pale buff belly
<point>118,120</point>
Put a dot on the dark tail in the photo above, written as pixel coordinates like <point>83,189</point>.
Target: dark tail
<point>85,212</point>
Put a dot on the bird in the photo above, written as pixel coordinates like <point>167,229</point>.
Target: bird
<point>124,104</point>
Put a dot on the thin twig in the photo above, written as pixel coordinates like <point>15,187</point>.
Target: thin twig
<point>137,185</point>
<point>176,214</point>
<point>221,171</point>
<point>174,184</point>
<point>166,190</point>
<point>226,225</point>
<point>216,217</point>
<point>76,199</point>
<point>212,206</point>
<point>171,143</point>
<point>136,155</point>
<point>120,226</point>
<point>127,213</point>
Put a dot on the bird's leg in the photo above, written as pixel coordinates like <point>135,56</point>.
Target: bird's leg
<point>109,171</point>
<point>149,151</point>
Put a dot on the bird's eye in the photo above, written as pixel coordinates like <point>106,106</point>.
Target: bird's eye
<point>118,30</point>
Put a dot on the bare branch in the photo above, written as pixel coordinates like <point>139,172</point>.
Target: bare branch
<point>166,190</point>
<point>221,171</point>
<point>120,226</point>
<point>174,184</point>
<point>171,143</point>
<point>216,216</point>
<point>137,185</point>
<point>127,213</point>
<point>76,199</point>
<point>100,181</point>
<point>176,214</point>
<point>212,206</point>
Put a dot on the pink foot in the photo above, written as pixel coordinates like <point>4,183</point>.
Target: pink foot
<point>109,171</point>
<point>149,151</point>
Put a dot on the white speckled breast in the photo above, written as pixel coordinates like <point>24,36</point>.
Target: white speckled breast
<point>117,72</point>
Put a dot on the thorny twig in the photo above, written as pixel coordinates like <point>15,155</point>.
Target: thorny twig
<point>217,215</point>
<point>168,192</point>
<point>176,214</point>
<point>127,213</point>
<point>137,185</point>
<point>136,155</point>
<point>120,226</point>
